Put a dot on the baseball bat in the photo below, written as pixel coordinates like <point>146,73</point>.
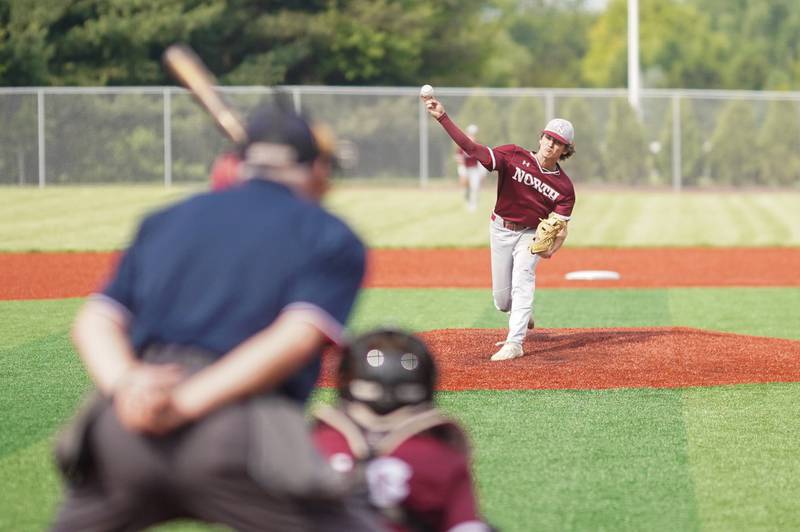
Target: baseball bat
<point>187,68</point>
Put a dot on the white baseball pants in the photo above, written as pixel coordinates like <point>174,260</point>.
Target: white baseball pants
<point>513,276</point>
<point>474,177</point>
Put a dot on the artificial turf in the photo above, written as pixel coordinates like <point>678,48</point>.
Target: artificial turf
<point>103,217</point>
<point>721,458</point>
<point>769,311</point>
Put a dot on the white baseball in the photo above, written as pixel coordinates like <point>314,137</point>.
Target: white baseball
<point>426,91</point>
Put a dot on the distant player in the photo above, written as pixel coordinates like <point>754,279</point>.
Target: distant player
<point>470,172</point>
<point>415,459</point>
<point>531,186</point>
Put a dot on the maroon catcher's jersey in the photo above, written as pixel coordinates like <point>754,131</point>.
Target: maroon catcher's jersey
<point>525,191</point>
<point>424,475</point>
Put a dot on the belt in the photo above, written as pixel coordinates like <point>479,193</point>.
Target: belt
<point>511,225</point>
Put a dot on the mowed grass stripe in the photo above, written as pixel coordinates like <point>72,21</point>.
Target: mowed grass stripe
<point>42,380</point>
<point>25,321</point>
<point>784,224</point>
<point>719,458</point>
<point>31,488</point>
<point>768,311</point>
<point>78,218</point>
<point>580,460</point>
<point>590,229</point>
<point>408,217</point>
<point>701,458</point>
<point>744,444</point>
<point>429,309</point>
<point>103,217</point>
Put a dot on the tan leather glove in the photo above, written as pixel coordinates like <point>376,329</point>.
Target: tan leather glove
<point>546,233</point>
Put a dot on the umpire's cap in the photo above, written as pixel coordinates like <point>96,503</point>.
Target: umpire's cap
<point>280,137</point>
<point>387,369</point>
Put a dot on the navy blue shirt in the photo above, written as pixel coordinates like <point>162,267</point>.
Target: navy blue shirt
<point>217,268</point>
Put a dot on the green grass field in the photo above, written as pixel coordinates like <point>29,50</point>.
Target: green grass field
<point>103,217</point>
<point>719,458</point>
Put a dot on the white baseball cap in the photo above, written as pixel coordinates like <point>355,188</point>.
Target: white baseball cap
<point>561,130</point>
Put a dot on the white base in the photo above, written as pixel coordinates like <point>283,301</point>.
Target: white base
<point>592,275</point>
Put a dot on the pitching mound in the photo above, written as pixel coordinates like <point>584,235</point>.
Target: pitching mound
<point>607,358</point>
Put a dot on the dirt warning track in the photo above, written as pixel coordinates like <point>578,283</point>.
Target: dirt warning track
<point>60,275</point>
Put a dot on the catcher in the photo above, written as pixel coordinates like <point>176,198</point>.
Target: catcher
<point>535,198</point>
<point>386,429</point>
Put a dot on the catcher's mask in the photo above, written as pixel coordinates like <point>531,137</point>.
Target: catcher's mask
<point>387,369</point>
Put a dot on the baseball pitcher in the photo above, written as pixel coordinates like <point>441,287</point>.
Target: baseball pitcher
<point>535,198</point>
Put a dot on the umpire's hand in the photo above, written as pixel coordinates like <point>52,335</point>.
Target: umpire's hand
<point>142,400</point>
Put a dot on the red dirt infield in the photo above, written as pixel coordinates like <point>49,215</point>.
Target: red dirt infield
<point>60,275</point>
<point>661,357</point>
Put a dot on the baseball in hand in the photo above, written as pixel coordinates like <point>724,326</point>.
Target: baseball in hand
<point>426,91</point>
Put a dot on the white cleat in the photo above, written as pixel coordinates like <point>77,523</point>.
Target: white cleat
<point>508,351</point>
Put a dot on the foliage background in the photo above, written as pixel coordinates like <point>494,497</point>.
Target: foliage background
<point>700,44</point>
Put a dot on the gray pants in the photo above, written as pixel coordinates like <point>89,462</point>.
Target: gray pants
<point>513,276</point>
<point>199,472</point>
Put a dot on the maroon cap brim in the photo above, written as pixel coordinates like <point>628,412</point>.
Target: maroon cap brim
<point>558,137</point>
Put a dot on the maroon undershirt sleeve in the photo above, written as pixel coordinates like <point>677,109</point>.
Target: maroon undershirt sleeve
<point>470,147</point>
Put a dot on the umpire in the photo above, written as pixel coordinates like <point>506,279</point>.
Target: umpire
<point>204,347</point>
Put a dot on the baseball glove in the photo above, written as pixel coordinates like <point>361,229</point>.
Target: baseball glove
<point>546,233</point>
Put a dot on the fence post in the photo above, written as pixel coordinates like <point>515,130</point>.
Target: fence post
<point>549,106</point>
<point>167,95</point>
<point>296,100</point>
<point>677,177</point>
<point>40,135</point>
<point>423,146</point>
<point>21,165</point>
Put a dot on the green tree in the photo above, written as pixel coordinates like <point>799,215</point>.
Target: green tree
<point>762,50</point>
<point>673,52</point>
<point>363,121</point>
<point>24,50</point>
<point>730,157</point>
<point>537,43</point>
<point>120,42</point>
<point>625,155</point>
<point>18,147</point>
<point>254,42</point>
<point>586,165</point>
<point>486,113</point>
<point>779,139</point>
<point>526,121</point>
<point>691,143</point>
<point>123,142</point>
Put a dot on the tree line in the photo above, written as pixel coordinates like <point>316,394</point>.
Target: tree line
<point>701,44</point>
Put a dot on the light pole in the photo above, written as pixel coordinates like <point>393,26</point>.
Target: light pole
<point>633,54</point>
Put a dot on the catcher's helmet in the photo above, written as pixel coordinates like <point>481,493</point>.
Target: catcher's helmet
<point>387,369</point>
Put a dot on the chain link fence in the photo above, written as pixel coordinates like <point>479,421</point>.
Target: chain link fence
<point>63,136</point>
